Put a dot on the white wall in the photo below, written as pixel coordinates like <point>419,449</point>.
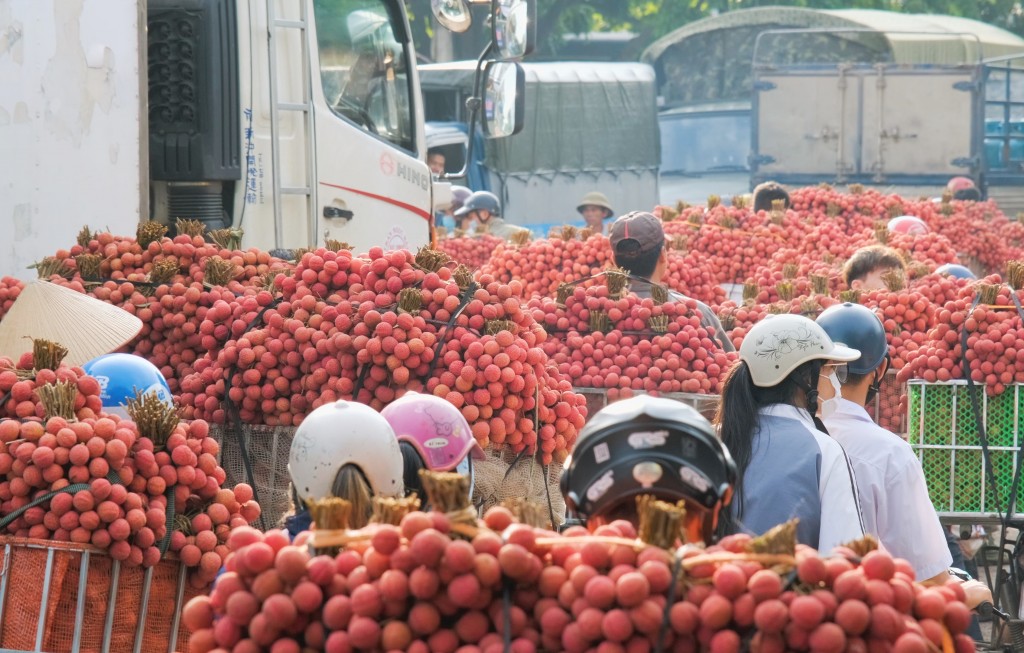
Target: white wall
<point>71,126</point>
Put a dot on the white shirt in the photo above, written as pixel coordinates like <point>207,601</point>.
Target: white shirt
<point>893,493</point>
<point>797,471</point>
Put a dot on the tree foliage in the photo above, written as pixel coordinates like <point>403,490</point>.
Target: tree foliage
<point>651,19</point>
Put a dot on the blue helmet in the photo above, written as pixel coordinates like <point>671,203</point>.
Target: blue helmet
<point>121,375</point>
<point>858,327</point>
<point>955,271</point>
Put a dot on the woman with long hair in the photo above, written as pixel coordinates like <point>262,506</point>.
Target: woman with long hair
<point>787,465</point>
<point>345,450</point>
<point>434,435</point>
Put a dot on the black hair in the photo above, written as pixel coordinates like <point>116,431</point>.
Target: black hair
<point>767,193</point>
<point>856,379</point>
<point>970,193</point>
<point>642,264</point>
<point>412,463</point>
<point>737,419</point>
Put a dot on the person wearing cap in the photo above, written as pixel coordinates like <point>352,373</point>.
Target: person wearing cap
<point>893,492</point>
<point>787,466</point>
<point>638,246</point>
<point>595,209</point>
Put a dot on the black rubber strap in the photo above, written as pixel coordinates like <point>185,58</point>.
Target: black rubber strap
<point>444,332</point>
<point>547,492</point>
<point>166,541</point>
<point>972,391</point>
<point>677,567</point>
<point>74,488</point>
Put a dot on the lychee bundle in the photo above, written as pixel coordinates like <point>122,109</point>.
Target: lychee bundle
<point>371,328</point>
<point>433,584</point>
<point>604,337</point>
<point>471,251</point>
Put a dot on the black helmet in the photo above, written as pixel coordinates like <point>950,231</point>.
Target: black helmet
<point>858,327</point>
<point>955,271</point>
<point>480,200</point>
<point>649,445</point>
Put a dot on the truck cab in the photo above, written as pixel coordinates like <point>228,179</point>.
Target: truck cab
<point>290,121</point>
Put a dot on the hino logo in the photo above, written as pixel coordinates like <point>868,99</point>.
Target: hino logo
<point>412,176</point>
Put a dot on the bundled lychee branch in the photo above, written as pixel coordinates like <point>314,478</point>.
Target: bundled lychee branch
<point>47,355</point>
<point>392,510</point>
<point>661,522</point>
<point>58,399</point>
<point>155,418</point>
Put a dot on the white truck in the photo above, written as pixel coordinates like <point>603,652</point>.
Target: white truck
<point>294,120</point>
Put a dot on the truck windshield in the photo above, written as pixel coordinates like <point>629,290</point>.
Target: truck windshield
<point>364,68</point>
<point>704,143</point>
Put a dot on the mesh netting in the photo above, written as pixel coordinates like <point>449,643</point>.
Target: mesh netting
<point>497,480</point>
<point>942,429</point>
<point>24,570</point>
<point>889,408</point>
<point>597,398</point>
<point>268,448</point>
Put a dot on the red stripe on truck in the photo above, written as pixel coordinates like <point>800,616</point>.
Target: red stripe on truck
<point>402,205</point>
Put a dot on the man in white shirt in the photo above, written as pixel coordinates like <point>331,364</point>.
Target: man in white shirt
<point>893,494</point>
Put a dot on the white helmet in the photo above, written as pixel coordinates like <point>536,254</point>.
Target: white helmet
<point>337,434</point>
<point>779,344</point>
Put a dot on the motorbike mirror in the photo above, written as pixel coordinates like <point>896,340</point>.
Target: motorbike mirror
<point>504,99</point>
<point>513,26</point>
<point>452,14</point>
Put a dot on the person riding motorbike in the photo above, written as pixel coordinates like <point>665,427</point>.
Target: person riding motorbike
<point>346,450</point>
<point>432,434</point>
<point>788,466</point>
<point>653,446</point>
<point>484,208</point>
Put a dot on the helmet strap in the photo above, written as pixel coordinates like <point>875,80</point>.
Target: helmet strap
<point>812,407</point>
<point>876,380</point>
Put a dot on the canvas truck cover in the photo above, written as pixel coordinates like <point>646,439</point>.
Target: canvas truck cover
<point>580,117</point>
<point>709,60</point>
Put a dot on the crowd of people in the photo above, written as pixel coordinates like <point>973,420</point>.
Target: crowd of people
<point>792,438</point>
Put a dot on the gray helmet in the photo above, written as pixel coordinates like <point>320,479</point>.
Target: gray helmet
<point>459,196</point>
<point>480,200</point>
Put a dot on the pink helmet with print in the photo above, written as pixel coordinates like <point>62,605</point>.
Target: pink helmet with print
<point>435,427</point>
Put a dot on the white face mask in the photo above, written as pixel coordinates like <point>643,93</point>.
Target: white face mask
<point>830,406</point>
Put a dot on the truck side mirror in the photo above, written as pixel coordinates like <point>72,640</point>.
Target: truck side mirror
<point>452,14</point>
<point>513,25</point>
<point>504,99</point>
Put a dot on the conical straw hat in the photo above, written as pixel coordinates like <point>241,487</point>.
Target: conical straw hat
<point>84,325</point>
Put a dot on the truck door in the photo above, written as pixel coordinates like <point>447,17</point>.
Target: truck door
<point>804,124</point>
<point>904,135</point>
<point>1004,132</point>
<point>372,186</point>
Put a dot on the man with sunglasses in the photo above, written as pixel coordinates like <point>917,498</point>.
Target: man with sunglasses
<point>893,493</point>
